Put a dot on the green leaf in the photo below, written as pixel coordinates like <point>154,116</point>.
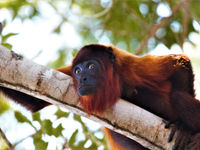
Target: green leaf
<point>74,52</point>
<point>7,45</point>
<point>4,104</point>
<point>47,127</point>
<point>93,146</point>
<point>58,131</point>
<point>82,143</point>
<point>57,29</point>
<point>39,143</point>
<point>36,117</point>
<point>3,145</point>
<point>78,118</point>
<point>21,118</point>
<point>60,61</point>
<point>72,139</point>
<point>5,37</point>
<point>59,113</point>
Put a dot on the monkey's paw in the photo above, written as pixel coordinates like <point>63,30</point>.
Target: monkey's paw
<point>183,136</point>
<point>194,143</point>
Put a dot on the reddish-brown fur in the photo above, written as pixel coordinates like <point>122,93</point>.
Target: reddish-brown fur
<point>160,84</point>
<point>108,91</point>
<point>112,144</point>
<point>149,81</point>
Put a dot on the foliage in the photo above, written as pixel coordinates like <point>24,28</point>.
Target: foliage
<point>3,144</point>
<point>4,105</point>
<point>47,128</point>
<point>60,61</point>
<point>135,25</point>
<point>5,37</point>
<point>124,23</point>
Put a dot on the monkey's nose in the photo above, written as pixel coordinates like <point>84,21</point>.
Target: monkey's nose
<point>83,79</point>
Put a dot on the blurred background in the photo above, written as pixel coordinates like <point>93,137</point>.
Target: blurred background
<point>50,32</point>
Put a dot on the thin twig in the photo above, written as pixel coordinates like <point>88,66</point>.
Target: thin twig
<point>184,22</point>
<point>133,15</point>
<point>153,29</point>
<point>97,15</point>
<point>65,145</point>
<point>37,55</point>
<point>10,146</point>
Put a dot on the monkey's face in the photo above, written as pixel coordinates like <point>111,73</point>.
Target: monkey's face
<point>87,75</point>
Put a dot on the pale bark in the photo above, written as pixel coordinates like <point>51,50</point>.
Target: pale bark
<point>57,88</point>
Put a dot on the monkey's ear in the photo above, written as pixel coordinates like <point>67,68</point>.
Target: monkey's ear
<point>111,54</point>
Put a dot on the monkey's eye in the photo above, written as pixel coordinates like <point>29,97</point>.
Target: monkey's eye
<point>77,70</point>
<point>91,66</point>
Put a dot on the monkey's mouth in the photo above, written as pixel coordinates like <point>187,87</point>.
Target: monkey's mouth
<point>86,86</point>
<point>86,90</point>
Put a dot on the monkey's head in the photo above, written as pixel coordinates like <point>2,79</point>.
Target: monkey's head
<point>96,77</point>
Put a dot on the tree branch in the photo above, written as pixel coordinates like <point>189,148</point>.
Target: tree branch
<point>184,22</point>
<point>154,28</point>
<point>57,88</point>
<point>10,146</point>
<point>97,15</point>
<point>133,15</point>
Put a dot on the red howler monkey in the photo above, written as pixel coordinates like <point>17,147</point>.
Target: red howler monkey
<point>161,84</point>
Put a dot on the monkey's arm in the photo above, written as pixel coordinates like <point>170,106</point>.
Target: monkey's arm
<point>31,103</point>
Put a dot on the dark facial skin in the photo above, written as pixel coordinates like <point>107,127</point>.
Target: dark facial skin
<point>86,74</point>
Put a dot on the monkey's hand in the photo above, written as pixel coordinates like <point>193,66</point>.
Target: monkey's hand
<point>194,143</point>
<point>183,136</point>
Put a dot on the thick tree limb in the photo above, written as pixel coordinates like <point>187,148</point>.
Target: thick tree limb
<point>57,88</point>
